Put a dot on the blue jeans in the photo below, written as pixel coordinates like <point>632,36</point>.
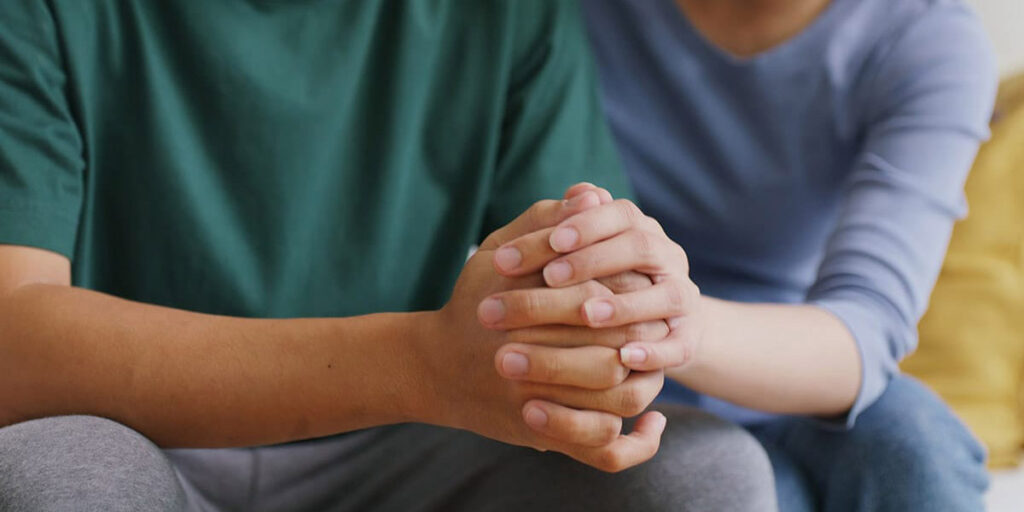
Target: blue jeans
<point>907,452</point>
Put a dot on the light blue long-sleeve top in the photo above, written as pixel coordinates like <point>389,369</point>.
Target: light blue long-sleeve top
<point>827,170</point>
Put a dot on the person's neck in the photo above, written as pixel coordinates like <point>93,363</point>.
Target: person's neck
<point>747,27</point>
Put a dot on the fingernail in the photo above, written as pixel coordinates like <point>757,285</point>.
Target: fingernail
<point>536,418</point>
<point>564,239</point>
<point>557,272</point>
<point>515,364</point>
<point>632,355</point>
<point>508,258</point>
<point>492,311</point>
<point>598,310</point>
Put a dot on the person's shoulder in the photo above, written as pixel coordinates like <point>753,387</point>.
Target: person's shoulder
<point>876,28</point>
<point>944,24</point>
<point>921,47</point>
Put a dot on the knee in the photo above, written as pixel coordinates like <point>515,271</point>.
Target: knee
<point>706,463</point>
<point>83,463</point>
<point>910,433</point>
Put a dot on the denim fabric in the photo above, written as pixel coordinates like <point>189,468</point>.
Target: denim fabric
<point>907,452</point>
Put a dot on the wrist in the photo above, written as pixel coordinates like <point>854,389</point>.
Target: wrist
<point>712,312</point>
<point>416,377</point>
<point>703,341</point>
<point>384,362</point>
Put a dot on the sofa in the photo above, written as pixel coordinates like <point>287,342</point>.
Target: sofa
<point>971,348</point>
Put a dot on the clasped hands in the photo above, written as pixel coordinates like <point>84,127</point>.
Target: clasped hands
<point>580,304</point>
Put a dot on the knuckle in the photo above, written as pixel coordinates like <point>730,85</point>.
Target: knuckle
<point>593,289</point>
<point>521,305</point>
<point>544,205</point>
<point>606,336</point>
<point>636,332</point>
<point>648,331</point>
<point>643,244</point>
<point>529,302</point>
<point>652,388</point>
<point>629,210</point>
<point>609,430</point>
<point>677,297</point>
<point>682,256</point>
<point>625,308</point>
<point>539,211</point>
<point>570,424</point>
<point>631,401</point>
<point>611,460</point>
<point>491,240</point>
<point>614,374</point>
<point>633,281</point>
<point>659,330</point>
<point>549,369</point>
<point>617,283</point>
<point>620,373</point>
<point>652,224</point>
<point>628,281</point>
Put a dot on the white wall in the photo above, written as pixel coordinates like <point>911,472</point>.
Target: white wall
<point>1004,20</point>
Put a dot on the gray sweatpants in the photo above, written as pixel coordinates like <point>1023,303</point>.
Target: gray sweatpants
<point>72,463</point>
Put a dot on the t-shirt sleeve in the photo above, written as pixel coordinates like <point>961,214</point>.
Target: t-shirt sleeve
<point>554,133</point>
<point>41,160</point>
<point>928,101</point>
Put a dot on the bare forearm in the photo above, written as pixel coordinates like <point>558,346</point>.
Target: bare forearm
<point>188,379</point>
<point>794,359</point>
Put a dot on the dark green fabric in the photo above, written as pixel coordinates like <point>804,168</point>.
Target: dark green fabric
<point>287,158</point>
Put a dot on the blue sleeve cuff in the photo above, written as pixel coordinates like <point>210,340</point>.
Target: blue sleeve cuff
<point>879,352</point>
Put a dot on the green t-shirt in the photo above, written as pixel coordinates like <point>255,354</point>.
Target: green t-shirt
<point>280,159</point>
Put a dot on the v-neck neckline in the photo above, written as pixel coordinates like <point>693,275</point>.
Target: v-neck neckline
<point>819,27</point>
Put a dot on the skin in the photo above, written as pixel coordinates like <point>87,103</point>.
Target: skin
<point>617,297</point>
<point>781,358</point>
<point>187,379</point>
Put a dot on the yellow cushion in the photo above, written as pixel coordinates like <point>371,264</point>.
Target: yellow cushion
<point>972,338</point>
